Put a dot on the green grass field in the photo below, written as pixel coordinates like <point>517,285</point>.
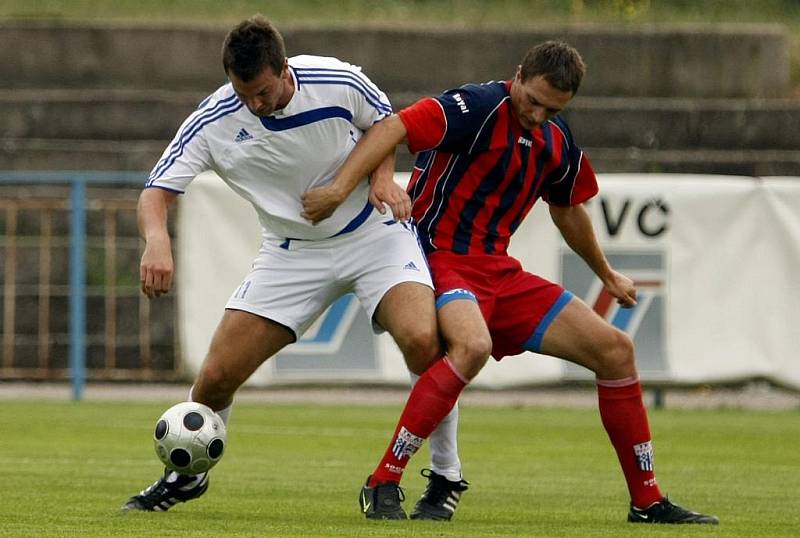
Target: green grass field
<point>296,471</point>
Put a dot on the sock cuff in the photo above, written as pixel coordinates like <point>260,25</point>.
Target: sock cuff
<point>453,369</point>
<point>617,389</point>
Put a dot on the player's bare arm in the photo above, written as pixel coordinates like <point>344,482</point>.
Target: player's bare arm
<point>384,191</point>
<point>156,268</point>
<point>576,227</point>
<point>371,152</point>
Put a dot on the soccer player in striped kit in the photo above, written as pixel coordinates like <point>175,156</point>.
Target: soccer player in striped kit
<point>487,153</point>
<point>279,127</point>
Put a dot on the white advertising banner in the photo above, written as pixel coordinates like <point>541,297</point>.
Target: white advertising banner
<point>715,260</point>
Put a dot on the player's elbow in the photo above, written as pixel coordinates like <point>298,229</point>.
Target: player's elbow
<point>391,130</point>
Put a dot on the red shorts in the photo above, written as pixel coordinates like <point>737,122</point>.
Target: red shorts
<point>517,306</point>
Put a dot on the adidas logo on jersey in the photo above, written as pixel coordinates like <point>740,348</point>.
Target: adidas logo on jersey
<point>243,135</point>
<point>411,266</point>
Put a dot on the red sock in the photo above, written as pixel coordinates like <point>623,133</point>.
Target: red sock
<point>431,399</point>
<point>625,419</point>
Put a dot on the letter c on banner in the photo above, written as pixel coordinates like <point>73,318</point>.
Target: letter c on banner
<point>643,219</point>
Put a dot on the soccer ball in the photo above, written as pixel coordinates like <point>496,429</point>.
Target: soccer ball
<point>190,438</point>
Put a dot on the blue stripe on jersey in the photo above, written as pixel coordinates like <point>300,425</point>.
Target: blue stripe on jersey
<point>547,134</point>
<point>222,108</point>
<point>357,221</point>
<point>511,194</point>
<point>424,161</point>
<point>176,191</point>
<point>294,72</point>
<point>200,116</point>
<point>204,102</point>
<point>348,81</point>
<point>449,183</point>
<point>462,235</point>
<point>377,105</point>
<point>305,118</point>
<point>366,84</point>
<point>561,180</point>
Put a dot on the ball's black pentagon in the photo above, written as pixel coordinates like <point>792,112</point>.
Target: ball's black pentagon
<point>215,449</point>
<point>180,457</point>
<point>193,421</point>
<point>162,427</point>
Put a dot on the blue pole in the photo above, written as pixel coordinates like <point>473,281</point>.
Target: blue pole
<point>77,281</point>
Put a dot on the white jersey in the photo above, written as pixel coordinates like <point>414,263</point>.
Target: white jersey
<point>271,161</point>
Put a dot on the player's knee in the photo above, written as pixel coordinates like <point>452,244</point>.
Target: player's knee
<point>618,357</point>
<point>470,353</point>
<point>421,349</point>
<point>213,385</point>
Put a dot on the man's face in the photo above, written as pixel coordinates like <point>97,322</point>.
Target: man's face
<point>536,101</point>
<point>266,93</point>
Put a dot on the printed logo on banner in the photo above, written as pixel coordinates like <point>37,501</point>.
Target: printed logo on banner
<point>339,341</point>
<point>645,322</point>
<point>328,331</point>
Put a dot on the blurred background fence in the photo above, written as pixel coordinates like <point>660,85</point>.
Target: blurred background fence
<point>69,252</point>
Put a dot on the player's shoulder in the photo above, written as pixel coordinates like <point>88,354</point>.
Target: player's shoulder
<point>223,97</point>
<point>325,79</point>
<point>493,90</point>
<point>558,127</point>
<point>308,65</point>
<point>482,97</point>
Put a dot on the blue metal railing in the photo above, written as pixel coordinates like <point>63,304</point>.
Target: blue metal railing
<point>78,181</point>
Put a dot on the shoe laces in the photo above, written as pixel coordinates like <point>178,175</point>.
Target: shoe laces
<point>161,488</point>
<point>156,493</point>
<point>439,488</point>
<point>665,508</point>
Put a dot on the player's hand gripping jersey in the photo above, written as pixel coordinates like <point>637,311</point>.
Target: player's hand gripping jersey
<point>480,172</point>
<point>271,161</point>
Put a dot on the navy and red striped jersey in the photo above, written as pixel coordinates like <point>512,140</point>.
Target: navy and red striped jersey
<point>479,172</point>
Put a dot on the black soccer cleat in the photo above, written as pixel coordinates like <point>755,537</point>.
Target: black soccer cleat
<point>665,512</point>
<point>382,501</point>
<point>440,499</point>
<point>163,495</point>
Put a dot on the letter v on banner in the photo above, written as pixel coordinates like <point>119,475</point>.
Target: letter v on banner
<point>646,322</point>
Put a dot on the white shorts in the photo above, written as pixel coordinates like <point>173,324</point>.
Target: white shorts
<point>293,282</point>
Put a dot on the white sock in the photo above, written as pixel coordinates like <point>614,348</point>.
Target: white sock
<point>443,443</point>
<point>173,476</point>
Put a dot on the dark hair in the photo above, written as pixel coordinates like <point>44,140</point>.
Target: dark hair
<point>560,65</point>
<point>252,46</point>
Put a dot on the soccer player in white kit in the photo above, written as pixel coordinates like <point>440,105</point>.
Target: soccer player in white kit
<point>280,127</point>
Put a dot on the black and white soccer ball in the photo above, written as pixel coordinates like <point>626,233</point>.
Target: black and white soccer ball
<point>190,438</point>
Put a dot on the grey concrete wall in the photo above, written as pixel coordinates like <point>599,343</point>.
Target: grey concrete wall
<point>646,123</point>
<point>707,61</point>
